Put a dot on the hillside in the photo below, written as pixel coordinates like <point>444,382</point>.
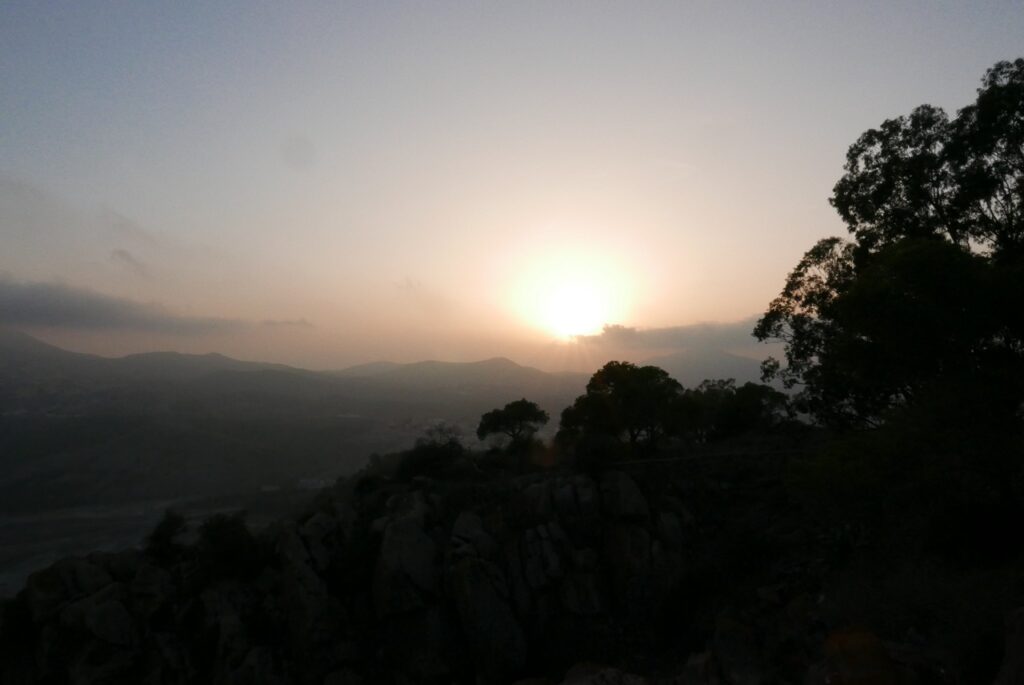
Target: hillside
<point>698,570</point>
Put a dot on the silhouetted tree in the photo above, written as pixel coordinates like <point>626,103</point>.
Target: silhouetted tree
<point>927,296</point>
<point>436,452</point>
<point>162,543</point>
<point>623,400</point>
<point>518,420</point>
<point>441,435</point>
<point>227,548</point>
<point>718,409</point>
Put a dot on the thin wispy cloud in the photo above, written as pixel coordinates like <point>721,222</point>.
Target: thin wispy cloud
<point>130,262</point>
<point>287,323</point>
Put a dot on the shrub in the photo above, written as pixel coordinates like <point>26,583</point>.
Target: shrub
<point>228,549</point>
<point>162,543</point>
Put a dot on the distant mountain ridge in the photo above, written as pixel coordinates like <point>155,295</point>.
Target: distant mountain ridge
<point>38,378</point>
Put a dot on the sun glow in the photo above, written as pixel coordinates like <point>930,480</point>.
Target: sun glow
<point>571,295</point>
<point>572,309</point>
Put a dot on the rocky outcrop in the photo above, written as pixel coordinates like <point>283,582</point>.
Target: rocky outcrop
<point>486,579</point>
<point>1012,670</point>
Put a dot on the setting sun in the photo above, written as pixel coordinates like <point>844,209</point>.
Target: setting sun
<point>574,309</point>
<point>566,294</point>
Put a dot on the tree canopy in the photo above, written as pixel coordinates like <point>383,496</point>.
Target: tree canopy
<point>623,400</point>
<point>518,420</point>
<point>927,295</point>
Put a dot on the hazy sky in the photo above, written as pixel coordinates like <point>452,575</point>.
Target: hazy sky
<point>325,184</point>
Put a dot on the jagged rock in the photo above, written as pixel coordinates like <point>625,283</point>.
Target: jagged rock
<point>122,565</point>
<point>587,500</point>
<point>539,556</point>
<point>448,582</point>
<point>48,590</point>
<point>314,533</point>
<point>592,674</point>
<point>700,669</point>
<point>405,568</point>
<point>534,503</point>
<point>1012,670</point>
<point>666,569</point>
<point>468,532</point>
<point>522,596</point>
<point>585,559</point>
<point>110,621</point>
<point>72,616</point>
<point>581,594</point>
<point>98,663</point>
<point>149,589</point>
<point>670,529</point>
<point>858,657</point>
<point>418,645</point>
<point>343,677</point>
<point>222,626</point>
<point>737,652</point>
<point>169,661</point>
<point>627,551</point>
<point>565,499</point>
<point>259,667</point>
<point>481,597</point>
<point>304,602</point>
<point>621,497</point>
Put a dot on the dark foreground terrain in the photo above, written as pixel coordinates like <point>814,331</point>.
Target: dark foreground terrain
<point>445,566</point>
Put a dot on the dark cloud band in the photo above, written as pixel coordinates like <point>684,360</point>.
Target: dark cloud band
<point>694,336</point>
<point>58,305</point>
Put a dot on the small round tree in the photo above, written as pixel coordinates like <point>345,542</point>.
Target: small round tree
<point>623,400</point>
<point>518,420</point>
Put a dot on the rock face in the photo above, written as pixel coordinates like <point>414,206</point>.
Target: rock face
<point>485,579</point>
<point>1012,670</point>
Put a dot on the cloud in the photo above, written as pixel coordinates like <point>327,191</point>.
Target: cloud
<point>423,298</point>
<point>58,305</point>
<point>286,323</point>
<point>704,336</point>
<point>126,259</point>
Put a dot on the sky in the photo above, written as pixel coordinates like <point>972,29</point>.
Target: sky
<point>325,184</point>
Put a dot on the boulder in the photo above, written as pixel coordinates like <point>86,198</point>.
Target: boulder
<point>627,551</point>
<point>149,589</point>
<point>1012,670</point>
<point>581,594</point>
<point>539,555</point>
<point>406,571</point>
<point>737,652</point>
<point>481,595</point>
<point>98,663</point>
<point>593,674</point>
<point>110,621</point>
<point>621,497</point>
<point>858,657</point>
<point>419,645</point>
<point>47,591</point>
<point>469,537</point>
<point>121,565</point>
<point>314,534</point>
<point>700,669</point>
<point>343,677</point>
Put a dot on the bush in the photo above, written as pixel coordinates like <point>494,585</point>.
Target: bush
<point>162,544</point>
<point>438,452</point>
<point>228,549</point>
